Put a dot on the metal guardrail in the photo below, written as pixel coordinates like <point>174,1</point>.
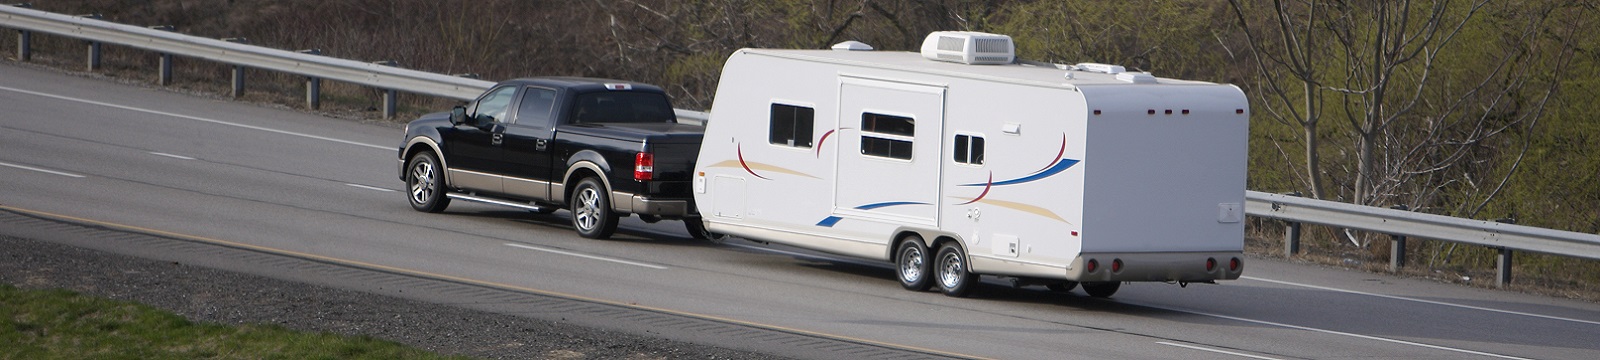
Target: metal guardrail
<point>1402,224</point>
<point>316,67</point>
<point>1295,210</point>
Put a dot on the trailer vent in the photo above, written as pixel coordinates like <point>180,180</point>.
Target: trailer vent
<point>972,48</point>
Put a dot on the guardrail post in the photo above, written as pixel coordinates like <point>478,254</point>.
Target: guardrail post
<point>391,97</point>
<point>94,46</point>
<point>313,84</point>
<point>1291,235</point>
<point>313,93</point>
<point>238,71</point>
<point>24,39</point>
<point>1502,268</point>
<point>1502,262</point>
<point>24,45</point>
<point>164,70</point>
<point>1397,246</point>
<point>238,81</point>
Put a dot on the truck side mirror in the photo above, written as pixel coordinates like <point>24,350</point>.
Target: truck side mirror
<point>458,115</point>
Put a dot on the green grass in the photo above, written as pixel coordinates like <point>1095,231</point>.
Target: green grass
<point>59,324</point>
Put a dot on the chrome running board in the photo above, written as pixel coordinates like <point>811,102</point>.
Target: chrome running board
<point>528,207</point>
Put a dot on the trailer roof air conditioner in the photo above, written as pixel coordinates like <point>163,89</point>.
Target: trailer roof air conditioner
<point>972,48</point>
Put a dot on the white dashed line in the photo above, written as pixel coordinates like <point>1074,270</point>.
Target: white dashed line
<point>371,187</point>
<point>171,155</point>
<point>586,256</point>
<point>47,171</point>
<point>1215,350</point>
<point>195,118</point>
<point>1281,282</point>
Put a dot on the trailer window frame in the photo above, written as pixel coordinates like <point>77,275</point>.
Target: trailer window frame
<point>968,149</point>
<point>791,125</point>
<point>888,136</point>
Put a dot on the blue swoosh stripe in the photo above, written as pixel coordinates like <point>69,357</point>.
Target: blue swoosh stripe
<point>1061,166</point>
<point>831,220</point>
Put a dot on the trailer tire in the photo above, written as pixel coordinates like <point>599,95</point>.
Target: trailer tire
<point>1102,289</point>
<point>1062,286</point>
<point>955,278</point>
<point>697,230</point>
<point>591,210</point>
<point>912,265</point>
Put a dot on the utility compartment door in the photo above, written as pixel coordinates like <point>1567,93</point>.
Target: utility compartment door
<point>888,151</point>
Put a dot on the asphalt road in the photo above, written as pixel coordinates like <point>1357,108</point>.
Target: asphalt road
<point>197,168</point>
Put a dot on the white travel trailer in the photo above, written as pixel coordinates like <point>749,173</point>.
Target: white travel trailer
<point>961,161</point>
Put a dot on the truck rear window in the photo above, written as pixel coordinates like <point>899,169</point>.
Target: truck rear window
<point>623,107</point>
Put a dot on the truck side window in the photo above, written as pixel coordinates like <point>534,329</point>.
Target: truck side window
<point>969,149</point>
<point>887,135</point>
<point>492,107</point>
<point>534,110</point>
<point>791,125</point>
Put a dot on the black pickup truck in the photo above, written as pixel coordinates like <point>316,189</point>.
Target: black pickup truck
<point>601,148</point>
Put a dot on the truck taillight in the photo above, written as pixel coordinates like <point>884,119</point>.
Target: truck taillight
<point>644,166</point>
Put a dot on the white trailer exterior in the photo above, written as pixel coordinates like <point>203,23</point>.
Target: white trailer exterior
<point>1048,174</point>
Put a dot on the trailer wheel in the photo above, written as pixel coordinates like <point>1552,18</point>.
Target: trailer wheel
<point>1062,287</point>
<point>915,270</point>
<point>1102,289</point>
<point>591,210</point>
<point>955,278</point>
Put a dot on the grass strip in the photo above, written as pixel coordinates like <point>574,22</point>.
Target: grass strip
<point>60,324</point>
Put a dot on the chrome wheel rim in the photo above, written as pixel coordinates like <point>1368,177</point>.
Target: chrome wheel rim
<point>911,264</point>
<point>587,214</point>
<point>422,179</point>
<point>950,270</point>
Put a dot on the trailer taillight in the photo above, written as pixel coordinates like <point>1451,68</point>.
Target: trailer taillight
<point>1091,266</point>
<point>1116,266</point>
<point>1234,265</point>
<point>1211,264</point>
<point>644,166</point>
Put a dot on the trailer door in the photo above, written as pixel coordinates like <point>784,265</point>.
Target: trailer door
<point>888,151</point>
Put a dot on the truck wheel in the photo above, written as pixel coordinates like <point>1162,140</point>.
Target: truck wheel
<point>591,210</point>
<point>425,183</point>
<point>955,277</point>
<point>915,269</point>
<point>1102,289</point>
<point>1062,287</point>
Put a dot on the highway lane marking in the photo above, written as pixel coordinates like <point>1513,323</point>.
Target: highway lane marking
<point>371,187</point>
<point>1262,322</point>
<point>181,157</point>
<point>47,171</point>
<point>1434,302</point>
<point>491,284</point>
<point>586,256</point>
<point>1215,350</point>
<point>1340,333</point>
<point>195,118</point>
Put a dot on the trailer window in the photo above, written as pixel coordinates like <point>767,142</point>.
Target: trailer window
<point>969,149</point>
<point>887,136</point>
<point>791,125</point>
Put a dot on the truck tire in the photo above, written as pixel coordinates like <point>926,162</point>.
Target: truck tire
<point>591,210</point>
<point>1102,289</point>
<point>912,265</point>
<point>425,183</point>
<point>955,278</point>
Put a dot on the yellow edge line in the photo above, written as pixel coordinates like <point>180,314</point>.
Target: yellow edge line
<point>477,282</point>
